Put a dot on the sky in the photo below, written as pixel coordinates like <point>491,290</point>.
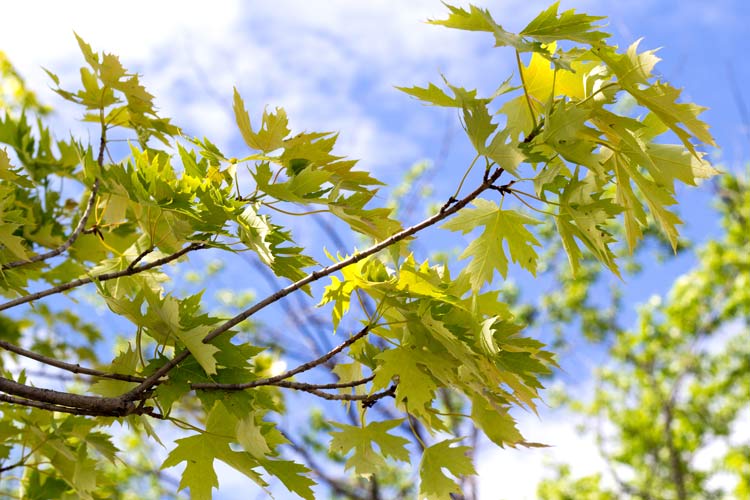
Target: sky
<point>333,66</point>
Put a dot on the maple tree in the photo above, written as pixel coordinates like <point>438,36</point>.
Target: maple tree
<point>80,216</point>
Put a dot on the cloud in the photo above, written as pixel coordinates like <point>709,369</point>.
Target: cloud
<point>332,65</point>
<point>514,474</point>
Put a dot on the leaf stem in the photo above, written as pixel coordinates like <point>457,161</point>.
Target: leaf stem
<point>525,90</point>
<point>466,174</point>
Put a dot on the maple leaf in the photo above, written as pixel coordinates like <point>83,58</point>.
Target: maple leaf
<point>251,438</point>
<point>496,423</point>
<point>634,215</point>
<point>478,123</point>
<point>254,231</point>
<point>486,250</point>
<point>198,453</point>
<point>365,460</point>
<point>633,71</point>
<point>548,26</point>
<point>125,363</point>
<point>434,484</point>
<point>415,386</point>
<point>584,213</point>
<point>165,320</point>
<point>293,476</point>
<point>506,155</point>
<point>431,95</point>
<point>565,131</point>
<point>339,292</point>
<point>273,128</point>
<point>10,174</point>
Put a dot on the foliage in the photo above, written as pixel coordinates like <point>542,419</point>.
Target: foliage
<point>427,334</point>
<point>670,405</point>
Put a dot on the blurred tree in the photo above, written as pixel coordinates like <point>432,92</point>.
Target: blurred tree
<point>671,405</point>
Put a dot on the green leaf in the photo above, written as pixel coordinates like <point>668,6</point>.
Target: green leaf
<point>496,423</point>
<point>506,155</point>
<point>434,483</point>
<point>273,128</point>
<point>671,161</point>
<point>478,123</point>
<point>486,250</point>
<point>633,71</point>
<point>339,292</point>
<point>566,133</point>
<point>10,174</point>
<point>251,438</point>
<point>415,386</point>
<point>477,19</point>
<point>294,476</point>
<point>125,363</point>
<point>164,314</point>
<point>548,27</point>
<point>431,95</point>
<point>198,453</point>
<point>254,231</point>
<point>584,213</point>
<point>366,460</point>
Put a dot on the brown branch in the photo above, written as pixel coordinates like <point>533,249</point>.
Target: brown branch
<point>64,401</point>
<point>74,368</point>
<point>287,374</point>
<point>129,271</point>
<point>140,257</point>
<point>300,386</point>
<point>339,385</point>
<point>368,400</point>
<point>450,208</point>
<point>50,406</point>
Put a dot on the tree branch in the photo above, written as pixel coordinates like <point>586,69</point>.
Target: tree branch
<point>300,386</point>
<point>129,271</point>
<point>50,406</point>
<point>448,209</point>
<point>64,401</point>
<point>287,374</point>
<point>66,366</point>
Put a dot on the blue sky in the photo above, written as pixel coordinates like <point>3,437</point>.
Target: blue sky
<point>332,65</point>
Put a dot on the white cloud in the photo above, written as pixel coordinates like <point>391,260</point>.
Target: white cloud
<point>332,64</point>
<point>514,474</point>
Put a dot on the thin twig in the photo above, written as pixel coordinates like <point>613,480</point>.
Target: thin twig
<point>71,239</point>
<point>300,386</point>
<point>81,223</point>
<point>525,90</point>
<point>74,368</point>
<point>287,374</point>
<point>101,277</point>
<point>445,212</point>
<point>368,400</point>
<point>140,257</point>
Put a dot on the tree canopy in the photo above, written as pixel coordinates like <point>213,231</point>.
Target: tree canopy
<point>100,224</point>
